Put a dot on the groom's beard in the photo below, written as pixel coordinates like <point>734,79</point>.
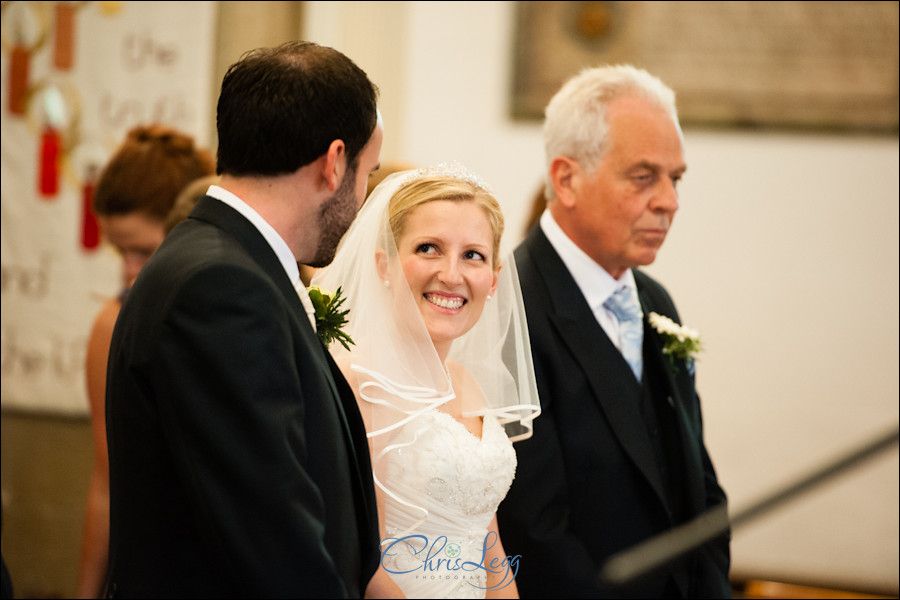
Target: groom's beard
<point>335,217</point>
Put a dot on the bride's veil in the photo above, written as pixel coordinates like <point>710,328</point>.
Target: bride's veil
<point>393,365</point>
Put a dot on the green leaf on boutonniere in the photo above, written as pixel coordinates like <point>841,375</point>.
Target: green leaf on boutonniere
<point>330,319</point>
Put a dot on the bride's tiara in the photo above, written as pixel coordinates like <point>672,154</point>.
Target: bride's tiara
<point>453,170</point>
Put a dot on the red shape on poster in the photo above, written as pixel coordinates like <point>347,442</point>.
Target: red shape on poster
<point>18,79</point>
<point>49,177</point>
<point>90,228</point>
<point>64,40</point>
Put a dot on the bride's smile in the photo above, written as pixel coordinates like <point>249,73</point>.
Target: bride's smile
<point>448,302</point>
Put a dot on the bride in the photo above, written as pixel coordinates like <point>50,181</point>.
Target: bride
<point>441,367</point>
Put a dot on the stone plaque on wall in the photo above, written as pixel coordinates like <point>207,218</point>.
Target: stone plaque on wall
<point>823,65</point>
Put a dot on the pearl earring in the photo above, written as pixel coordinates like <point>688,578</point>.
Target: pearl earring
<point>489,297</point>
<point>387,283</point>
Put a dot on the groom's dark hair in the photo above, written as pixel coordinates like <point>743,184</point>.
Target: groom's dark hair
<point>280,108</point>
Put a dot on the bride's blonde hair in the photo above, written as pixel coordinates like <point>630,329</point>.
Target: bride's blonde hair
<point>430,188</point>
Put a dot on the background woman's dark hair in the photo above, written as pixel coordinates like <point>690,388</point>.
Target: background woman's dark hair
<point>280,108</point>
<point>149,170</point>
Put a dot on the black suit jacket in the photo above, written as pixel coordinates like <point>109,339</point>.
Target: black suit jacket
<point>238,459</point>
<point>588,483</point>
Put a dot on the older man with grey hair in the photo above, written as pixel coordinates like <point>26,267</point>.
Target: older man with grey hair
<point>618,455</point>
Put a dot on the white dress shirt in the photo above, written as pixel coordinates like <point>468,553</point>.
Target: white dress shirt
<point>593,280</point>
<point>275,241</point>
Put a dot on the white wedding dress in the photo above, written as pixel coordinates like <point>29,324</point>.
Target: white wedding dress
<point>449,484</point>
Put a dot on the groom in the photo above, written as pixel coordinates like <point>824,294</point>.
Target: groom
<point>238,459</point>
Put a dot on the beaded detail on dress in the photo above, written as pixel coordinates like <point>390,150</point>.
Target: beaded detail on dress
<point>458,468</point>
<point>460,481</point>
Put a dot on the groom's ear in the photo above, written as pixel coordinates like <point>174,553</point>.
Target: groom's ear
<point>334,167</point>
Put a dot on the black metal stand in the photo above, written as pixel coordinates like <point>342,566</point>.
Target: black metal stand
<point>662,550</point>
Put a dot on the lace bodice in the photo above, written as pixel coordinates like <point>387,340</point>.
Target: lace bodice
<point>453,467</point>
<point>448,484</point>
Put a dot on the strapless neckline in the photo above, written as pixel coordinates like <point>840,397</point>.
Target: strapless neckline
<point>484,424</point>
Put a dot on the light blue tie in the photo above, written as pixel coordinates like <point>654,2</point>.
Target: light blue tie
<point>624,304</point>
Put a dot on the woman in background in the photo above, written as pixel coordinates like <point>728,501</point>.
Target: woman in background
<point>134,195</point>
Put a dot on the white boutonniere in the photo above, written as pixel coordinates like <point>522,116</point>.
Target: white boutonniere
<point>678,341</point>
<point>330,320</point>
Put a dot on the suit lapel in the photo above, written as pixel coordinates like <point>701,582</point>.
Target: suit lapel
<point>223,216</point>
<point>655,344</point>
<point>600,361</point>
<point>686,428</point>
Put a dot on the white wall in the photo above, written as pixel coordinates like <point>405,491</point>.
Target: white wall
<point>784,255</point>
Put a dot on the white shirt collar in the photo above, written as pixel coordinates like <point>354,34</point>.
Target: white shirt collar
<point>279,246</point>
<point>593,280</point>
